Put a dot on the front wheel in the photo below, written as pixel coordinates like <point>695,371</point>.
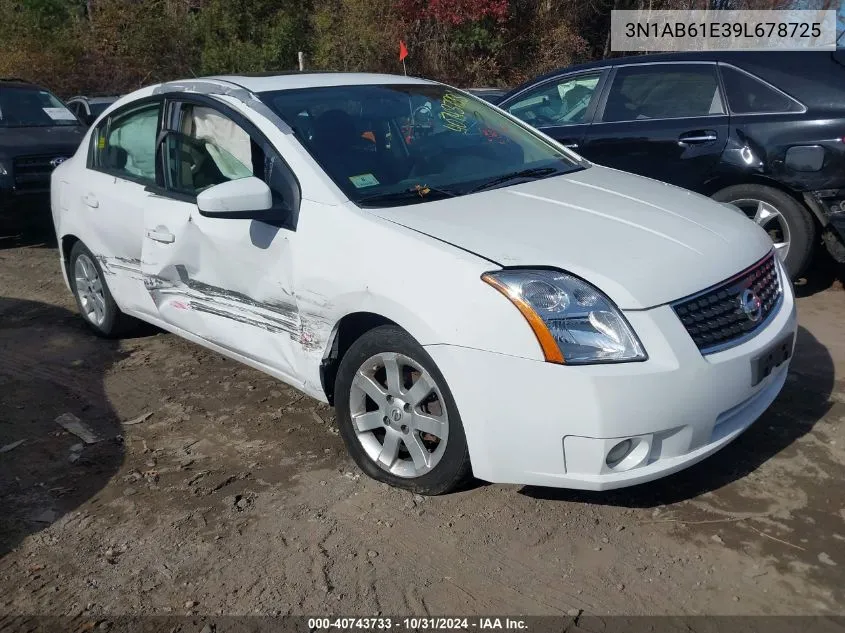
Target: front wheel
<point>397,416</point>
<point>786,220</point>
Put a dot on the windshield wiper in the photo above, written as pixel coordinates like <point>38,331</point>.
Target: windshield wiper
<point>533,172</point>
<point>407,196</point>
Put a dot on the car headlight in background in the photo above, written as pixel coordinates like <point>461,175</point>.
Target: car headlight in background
<point>575,323</point>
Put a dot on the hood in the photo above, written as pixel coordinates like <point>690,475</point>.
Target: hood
<point>642,242</point>
<point>62,140</point>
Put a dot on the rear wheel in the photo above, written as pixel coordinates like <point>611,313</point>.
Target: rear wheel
<point>397,415</point>
<point>93,297</point>
<point>786,220</point>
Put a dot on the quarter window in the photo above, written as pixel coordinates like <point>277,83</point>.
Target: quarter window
<point>664,91</point>
<point>559,102</point>
<point>125,144</point>
<point>748,95</point>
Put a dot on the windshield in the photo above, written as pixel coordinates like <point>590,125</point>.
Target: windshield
<point>32,107</point>
<point>408,143</point>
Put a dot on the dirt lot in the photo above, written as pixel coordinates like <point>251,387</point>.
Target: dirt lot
<point>235,496</point>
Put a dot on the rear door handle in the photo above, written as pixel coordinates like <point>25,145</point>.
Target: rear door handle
<point>164,236</point>
<point>697,137</point>
<point>91,200</point>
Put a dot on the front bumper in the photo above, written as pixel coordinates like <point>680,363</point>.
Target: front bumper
<point>535,423</point>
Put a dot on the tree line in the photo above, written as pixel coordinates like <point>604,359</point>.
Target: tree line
<point>114,46</point>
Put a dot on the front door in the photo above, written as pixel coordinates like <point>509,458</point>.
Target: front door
<point>664,121</point>
<point>226,281</point>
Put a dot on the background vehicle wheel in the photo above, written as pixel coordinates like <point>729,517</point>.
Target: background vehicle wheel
<point>92,294</point>
<point>785,219</point>
<point>397,415</point>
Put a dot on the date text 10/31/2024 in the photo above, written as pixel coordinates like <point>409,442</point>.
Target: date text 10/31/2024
<point>417,623</point>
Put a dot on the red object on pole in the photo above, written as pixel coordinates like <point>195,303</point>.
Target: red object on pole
<point>403,51</point>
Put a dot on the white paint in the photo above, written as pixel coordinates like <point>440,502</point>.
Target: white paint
<point>272,298</point>
<point>244,194</point>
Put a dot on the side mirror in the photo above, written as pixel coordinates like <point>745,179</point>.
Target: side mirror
<point>245,198</point>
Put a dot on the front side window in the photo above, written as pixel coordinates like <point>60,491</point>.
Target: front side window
<point>203,147</point>
<point>391,144</point>
<point>559,102</point>
<point>663,91</point>
<point>32,107</point>
<point>748,95</point>
<point>125,144</point>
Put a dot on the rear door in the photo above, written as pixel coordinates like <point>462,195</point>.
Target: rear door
<point>561,107</point>
<point>112,197</point>
<point>667,121</point>
<point>225,281</point>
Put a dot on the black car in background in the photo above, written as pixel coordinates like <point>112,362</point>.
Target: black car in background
<point>37,133</point>
<point>762,130</point>
<point>87,109</point>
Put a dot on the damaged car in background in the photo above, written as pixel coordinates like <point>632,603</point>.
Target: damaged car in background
<point>476,299</point>
<point>764,131</point>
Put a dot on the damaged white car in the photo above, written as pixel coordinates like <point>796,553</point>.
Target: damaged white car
<point>471,296</point>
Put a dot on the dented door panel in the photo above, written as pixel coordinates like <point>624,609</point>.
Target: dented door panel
<point>226,281</point>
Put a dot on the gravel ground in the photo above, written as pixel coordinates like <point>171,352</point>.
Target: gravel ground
<point>217,490</point>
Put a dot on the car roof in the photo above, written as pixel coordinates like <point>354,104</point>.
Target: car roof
<point>294,80</point>
<point>94,99</point>
<point>758,59</point>
<point>14,82</point>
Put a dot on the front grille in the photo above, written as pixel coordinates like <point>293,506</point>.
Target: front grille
<point>32,173</point>
<point>726,315</point>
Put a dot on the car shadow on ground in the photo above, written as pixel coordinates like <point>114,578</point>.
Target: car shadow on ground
<point>822,273</point>
<point>50,365</point>
<point>805,400</point>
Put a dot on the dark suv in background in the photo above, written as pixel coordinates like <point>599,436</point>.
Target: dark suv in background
<point>764,131</point>
<point>37,133</point>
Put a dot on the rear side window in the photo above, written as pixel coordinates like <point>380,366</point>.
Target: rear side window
<point>748,95</point>
<point>125,144</point>
<point>663,91</point>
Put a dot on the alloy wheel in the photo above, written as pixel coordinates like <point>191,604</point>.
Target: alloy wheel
<point>399,414</point>
<point>770,219</point>
<point>89,289</point>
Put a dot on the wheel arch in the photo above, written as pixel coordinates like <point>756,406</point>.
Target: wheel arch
<point>346,331</point>
<point>66,245</point>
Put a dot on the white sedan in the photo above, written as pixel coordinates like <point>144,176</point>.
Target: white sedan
<point>472,297</point>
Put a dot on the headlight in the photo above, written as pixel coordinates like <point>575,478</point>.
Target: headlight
<point>575,323</point>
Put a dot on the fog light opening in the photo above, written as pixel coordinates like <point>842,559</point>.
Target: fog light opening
<point>619,452</point>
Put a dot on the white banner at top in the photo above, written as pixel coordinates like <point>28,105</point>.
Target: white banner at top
<point>707,30</point>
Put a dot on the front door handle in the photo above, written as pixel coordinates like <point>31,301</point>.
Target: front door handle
<point>571,145</point>
<point>161,235</point>
<point>91,200</point>
<point>697,137</point>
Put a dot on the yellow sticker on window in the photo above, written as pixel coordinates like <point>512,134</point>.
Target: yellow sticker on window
<point>101,142</point>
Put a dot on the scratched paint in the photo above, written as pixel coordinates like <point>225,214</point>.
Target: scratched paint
<point>221,302</point>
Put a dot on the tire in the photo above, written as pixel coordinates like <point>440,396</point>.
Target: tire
<point>82,268</point>
<point>399,435</point>
<point>787,210</point>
